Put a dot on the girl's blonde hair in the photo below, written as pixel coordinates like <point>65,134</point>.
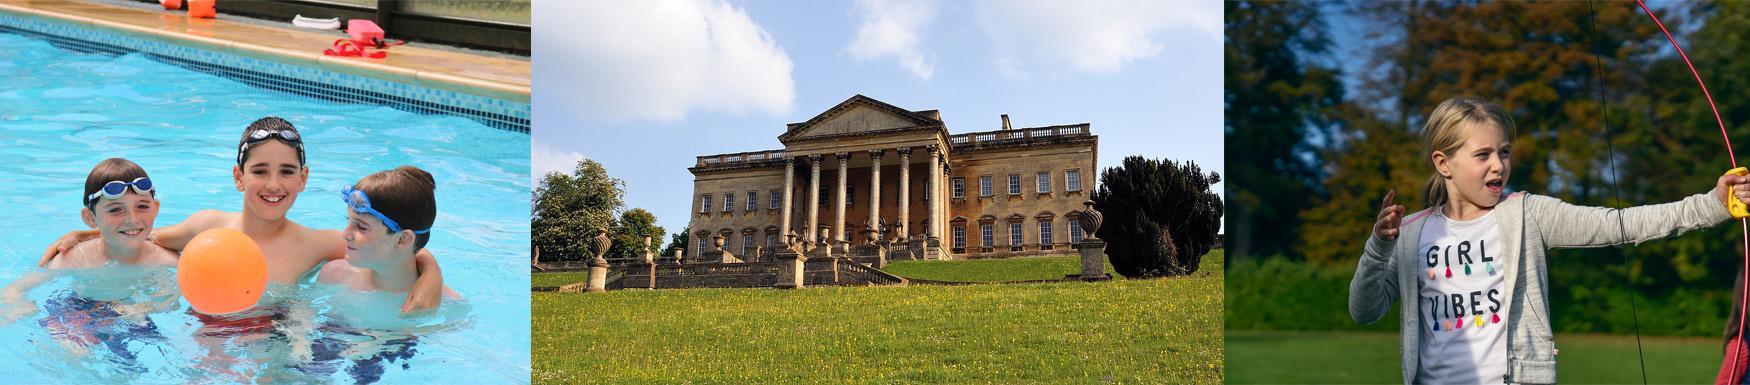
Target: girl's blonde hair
<point>1446,131</point>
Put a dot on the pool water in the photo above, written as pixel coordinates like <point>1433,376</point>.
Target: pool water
<point>61,112</point>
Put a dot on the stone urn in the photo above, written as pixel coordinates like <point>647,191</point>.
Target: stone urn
<point>1090,221</point>
<point>717,242</point>
<point>600,244</point>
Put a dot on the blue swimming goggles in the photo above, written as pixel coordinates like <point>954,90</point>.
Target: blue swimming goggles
<point>115,188</point>
<point>359,203</point>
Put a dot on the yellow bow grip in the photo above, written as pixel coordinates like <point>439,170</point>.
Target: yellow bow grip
<point>1734,205</point>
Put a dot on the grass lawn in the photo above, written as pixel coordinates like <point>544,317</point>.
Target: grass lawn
<point>1118,332</point>
<point>992,270</point>
<point>1372,357</point>
<point>557,278</point>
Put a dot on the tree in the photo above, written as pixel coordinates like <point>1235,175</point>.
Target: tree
<point>1142,198</point>
<point>629,232</point>
<point>569,207</point>
<point>679,241</point>
<point>1277,95</point>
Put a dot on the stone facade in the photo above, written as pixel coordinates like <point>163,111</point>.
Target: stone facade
<point>866,157</point>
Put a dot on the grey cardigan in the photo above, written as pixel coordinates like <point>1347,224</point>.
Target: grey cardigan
<point>1530,224</point>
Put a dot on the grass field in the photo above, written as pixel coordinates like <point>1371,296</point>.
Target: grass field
<point>557,278</point>
<point>1118,332</point>
<point>991,270</point>
<point>1372,357</point>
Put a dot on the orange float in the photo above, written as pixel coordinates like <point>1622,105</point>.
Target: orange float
<point>202,9</point>
<point>221,271</point>
<point>171,4</point>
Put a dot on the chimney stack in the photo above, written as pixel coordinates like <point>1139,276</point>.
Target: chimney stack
<point>1005,122</point>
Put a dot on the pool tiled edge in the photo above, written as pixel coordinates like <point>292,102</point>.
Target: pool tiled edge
<point>333,81</point>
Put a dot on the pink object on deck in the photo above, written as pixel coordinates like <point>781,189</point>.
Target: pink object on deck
<point>364,32</point>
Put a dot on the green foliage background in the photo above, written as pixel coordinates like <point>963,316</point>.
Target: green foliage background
<point>1589,85</point>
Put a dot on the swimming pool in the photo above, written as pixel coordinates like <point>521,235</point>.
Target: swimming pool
<point>61,112</point>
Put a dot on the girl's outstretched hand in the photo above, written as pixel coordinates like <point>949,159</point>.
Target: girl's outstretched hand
<point>1391,215</point>
<point>1732,186</point>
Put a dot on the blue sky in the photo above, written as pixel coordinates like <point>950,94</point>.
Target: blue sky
<point>644,87</point>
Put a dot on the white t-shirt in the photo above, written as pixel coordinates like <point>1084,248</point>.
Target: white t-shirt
<point>1464,333</point>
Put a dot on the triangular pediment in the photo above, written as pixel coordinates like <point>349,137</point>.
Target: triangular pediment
<point>857,115</point>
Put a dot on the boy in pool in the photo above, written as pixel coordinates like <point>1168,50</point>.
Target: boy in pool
<point>271,172</point>
<point>383,235</point>
<point>120,204</point>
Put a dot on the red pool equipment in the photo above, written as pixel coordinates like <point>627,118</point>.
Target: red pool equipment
<point>205,9</point>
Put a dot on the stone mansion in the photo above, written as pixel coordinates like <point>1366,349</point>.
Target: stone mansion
<point>865,172</point>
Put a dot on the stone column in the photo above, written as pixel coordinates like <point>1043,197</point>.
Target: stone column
<point>904,193</point>
<point>813,198</point>
<point>789,183</point>
<point>875,193</point>
<point>931,232</point>
<point>839,203</point>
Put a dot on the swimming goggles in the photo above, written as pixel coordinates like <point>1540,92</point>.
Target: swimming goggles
<point>114,189</point>
<point>261,135</point>
<point>359,203</point>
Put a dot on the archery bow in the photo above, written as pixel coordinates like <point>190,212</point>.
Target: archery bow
<point>1736,207</point>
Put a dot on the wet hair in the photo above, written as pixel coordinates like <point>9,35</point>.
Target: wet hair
<point>1448,127</point>
<point>271,123</point>
<point>109,170</point>
<point>403,194</point>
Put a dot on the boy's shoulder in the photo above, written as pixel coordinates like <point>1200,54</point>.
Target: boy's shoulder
<point>339,272</point>
<point>85,254</point>
<point>158,255</point>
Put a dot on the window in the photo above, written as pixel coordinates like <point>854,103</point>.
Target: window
<point>959,236</point>
<point>823,197</point>
<point>959,185</point>
<point>705,203</point>
<point>775,200</point>
<point>1072,180</point>
<point>984,235</point>
<point>747,244</point>
<point>1044,182</point>
<point>728,202</point>
<point>984,186</point>
<point>1075,231</point>
<point>1014,184</point>
<point>1045,232</point>
<point>753,202</point>
<point>1015,234</point>
<point>702,245</point>
<point>850,195</point>
<point>771,239</point>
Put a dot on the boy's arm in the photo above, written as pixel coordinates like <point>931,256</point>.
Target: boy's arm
<point>428,289</point>
<point>66,242</point>
<point>175,237</point>
<point>12,299</point>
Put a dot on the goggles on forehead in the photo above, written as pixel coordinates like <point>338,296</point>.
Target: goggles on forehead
<point>114,189</point>
<point>359,203</point>
<point>261,135</point>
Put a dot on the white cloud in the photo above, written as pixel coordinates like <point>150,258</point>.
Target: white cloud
<point>545,159</point>
<point>891,28</point>
<point>1099,36</point>
<point>657,59</point>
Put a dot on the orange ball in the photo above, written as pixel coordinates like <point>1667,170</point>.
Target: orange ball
<point>171,4</point>
<point>221,271</point>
